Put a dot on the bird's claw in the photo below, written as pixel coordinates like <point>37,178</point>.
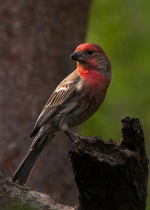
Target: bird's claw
<point>89,137</point>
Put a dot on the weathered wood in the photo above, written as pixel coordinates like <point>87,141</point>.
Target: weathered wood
<point>112,176</point>
<point>109,176</point>
<point>14,196</point>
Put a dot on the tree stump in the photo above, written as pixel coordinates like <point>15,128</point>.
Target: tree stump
<point>112,176</point>
<point>109,176</point>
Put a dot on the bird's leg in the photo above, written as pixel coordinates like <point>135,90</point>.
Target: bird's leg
<point>69,136</point>
<point>70,133</point>
<point>64,127</point>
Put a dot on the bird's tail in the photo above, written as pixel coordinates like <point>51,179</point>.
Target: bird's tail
<point>23,172</point>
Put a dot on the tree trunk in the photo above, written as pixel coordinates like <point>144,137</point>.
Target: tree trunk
<point>112,176</point>
<point>36,40</point>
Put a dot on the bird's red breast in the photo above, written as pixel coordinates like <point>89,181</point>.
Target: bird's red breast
<point>93,78</point>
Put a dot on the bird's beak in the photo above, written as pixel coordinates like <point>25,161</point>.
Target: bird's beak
<point>78,56</point>
<point>74,56</point>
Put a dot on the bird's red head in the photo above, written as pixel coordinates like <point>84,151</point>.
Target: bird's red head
<point>89,47</point>
<point>91,57</point>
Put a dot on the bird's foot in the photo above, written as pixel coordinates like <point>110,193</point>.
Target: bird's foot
<point>89,137</point>
<point>76,136</point>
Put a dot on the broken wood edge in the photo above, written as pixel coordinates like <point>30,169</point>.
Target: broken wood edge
<point>126,160</point>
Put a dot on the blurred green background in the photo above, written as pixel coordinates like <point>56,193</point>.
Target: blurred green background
<point>122,28</point>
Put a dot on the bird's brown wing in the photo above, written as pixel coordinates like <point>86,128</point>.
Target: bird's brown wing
<point>63,91</point>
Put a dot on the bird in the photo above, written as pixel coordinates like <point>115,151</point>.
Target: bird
<point>73,101</point>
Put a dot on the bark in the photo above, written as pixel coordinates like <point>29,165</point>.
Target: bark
<point>36,40</point>
<point>112,176</point>
<point>108,176</point>
<point>13,196</point>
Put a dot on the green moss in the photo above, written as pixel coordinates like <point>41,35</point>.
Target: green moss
<point>19,205</point>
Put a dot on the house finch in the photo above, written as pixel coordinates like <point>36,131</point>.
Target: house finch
<point>75,99</point>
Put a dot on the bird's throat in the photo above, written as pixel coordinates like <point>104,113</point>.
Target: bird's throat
<point>93,77</point>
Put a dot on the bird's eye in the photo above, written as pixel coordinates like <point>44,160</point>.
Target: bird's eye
<point>89,52</point>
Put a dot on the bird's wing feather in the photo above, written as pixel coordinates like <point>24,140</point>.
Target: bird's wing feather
<point>63,91</point>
